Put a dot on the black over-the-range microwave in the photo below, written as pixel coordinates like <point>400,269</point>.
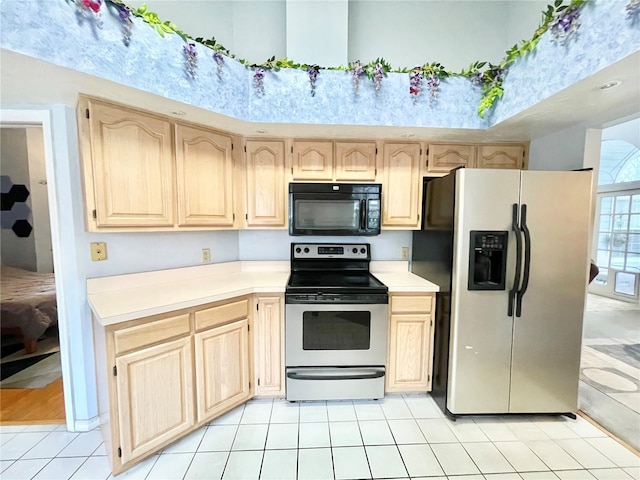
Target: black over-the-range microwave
<point>334,208</point>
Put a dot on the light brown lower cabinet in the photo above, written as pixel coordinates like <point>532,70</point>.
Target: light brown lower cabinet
<point>269,346</point>
<point>155,397</point>
<point>161,377</point>
<point>410,351</point>
<point>222,368</point>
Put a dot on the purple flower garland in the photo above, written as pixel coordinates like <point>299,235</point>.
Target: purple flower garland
<point>258,79</point>
<point>566,25</point>
<point>219,58</point>
<point>190,58</point>
<point>313,71</point>
<point>415,82</point>
<point>356,71</point>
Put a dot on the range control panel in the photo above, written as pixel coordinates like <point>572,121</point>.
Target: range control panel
<point>346,251</point>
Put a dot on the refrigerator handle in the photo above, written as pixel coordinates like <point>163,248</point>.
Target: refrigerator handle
<point>516,281</point>
<point>527,259</point>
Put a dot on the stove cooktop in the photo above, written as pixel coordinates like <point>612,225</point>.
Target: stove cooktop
<point>332,272</point>
<point>335,280</point>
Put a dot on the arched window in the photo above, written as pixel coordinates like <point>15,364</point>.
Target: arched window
<point>619,162</point>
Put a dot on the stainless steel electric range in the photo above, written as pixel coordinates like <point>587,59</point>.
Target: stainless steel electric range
<point>336,322</point>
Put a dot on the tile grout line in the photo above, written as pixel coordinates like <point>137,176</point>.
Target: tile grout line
<point>235,435</point>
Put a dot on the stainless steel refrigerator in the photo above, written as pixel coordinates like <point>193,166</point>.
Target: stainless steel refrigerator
<point>509,250</point>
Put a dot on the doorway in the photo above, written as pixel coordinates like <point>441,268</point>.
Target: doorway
<point>610,361</point>
<point>30,369</point>
<point>41,120</point>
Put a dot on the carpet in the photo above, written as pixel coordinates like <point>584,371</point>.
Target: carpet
<point>35,370</point>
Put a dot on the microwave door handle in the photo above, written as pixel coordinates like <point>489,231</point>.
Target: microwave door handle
<point>363,214</point>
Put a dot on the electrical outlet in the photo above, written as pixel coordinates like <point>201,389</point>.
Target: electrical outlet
<point>405,253</point>
<point>206,255</point>
<point>98,251</point>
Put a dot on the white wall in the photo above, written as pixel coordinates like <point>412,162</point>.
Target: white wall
<point>141,252</point>
<point>19,252</point>
<point>335,32</point>
<point>317,31</point>
<point>251,29</point>
<point>628,131</point>
<point>276,244</point>
<point>39,199</point>
<point>564,150</point>
<point>408,33</point>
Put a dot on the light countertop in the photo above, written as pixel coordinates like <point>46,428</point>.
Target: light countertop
<point>120,298</point>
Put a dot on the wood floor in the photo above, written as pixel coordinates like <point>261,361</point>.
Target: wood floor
<point>32,406</point>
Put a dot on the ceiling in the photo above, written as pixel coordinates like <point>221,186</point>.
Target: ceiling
<point>582,104</point>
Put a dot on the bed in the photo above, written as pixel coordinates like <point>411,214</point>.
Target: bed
<point>27,304</point>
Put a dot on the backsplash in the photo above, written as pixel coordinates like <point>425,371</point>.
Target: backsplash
<point>276,244</point>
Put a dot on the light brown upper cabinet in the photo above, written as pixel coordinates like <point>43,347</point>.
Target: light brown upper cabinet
<point>443,158</point>
<point>312,160</point>
<point>204,176</point>
<point>401,185</point>
<point>356,162</point>
<point>502,156</point>
<point>129,167</point>
<point>266,189</point>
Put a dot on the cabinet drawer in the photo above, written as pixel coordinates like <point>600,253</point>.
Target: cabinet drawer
<point>155,331</point>
<point>222,314</point>
<point>411,303</point>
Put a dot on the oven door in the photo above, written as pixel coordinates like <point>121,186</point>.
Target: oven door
<point>336,335</point>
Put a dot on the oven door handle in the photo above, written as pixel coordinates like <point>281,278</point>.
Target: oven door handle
<point>362,376</point>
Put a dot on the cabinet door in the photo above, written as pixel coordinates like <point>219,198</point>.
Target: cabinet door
<point>266,194</point>
<point>400,190</point>
<point>132,159</point>
<point>222,368</point>
<point>410,343</point>
<point>408,353</point>
<point>355,161</point>
<point>155,396</point>
<point>312,161</point>
<point>204,174</point>
<point>269,347</point>
<point>444,158</point>
<point>501,156</point>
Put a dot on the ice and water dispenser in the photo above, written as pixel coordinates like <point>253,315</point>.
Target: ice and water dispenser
<point>487,260</point>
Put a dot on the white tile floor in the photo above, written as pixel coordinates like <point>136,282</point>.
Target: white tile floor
<point>397,437</point>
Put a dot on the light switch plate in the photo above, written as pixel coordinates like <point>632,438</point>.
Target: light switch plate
<point>98,251</point>
<point>405,253</point>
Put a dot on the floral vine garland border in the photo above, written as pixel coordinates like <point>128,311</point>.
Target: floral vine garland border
<point>563,20</point>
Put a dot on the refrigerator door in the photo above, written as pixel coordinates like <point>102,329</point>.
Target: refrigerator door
<point>547,337</point>
<point>481,330</point>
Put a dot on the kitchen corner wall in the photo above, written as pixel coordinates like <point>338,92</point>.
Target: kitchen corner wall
<point>126,252</point>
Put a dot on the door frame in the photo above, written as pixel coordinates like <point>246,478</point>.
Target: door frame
<point>608,290</point>
<point>42,118</point>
